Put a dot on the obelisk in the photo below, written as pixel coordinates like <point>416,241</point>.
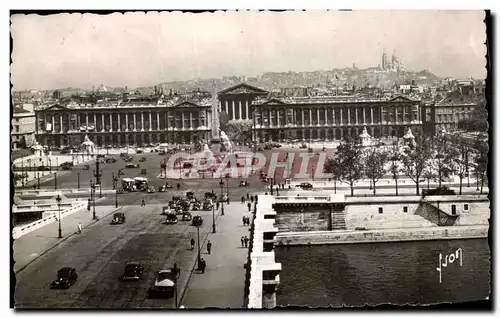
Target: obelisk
<point>215,113</point>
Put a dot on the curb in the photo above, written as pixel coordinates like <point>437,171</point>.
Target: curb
<point>183,292</point>
<point>62,240</point>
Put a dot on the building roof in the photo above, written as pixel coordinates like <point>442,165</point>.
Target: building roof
<point>243,88</point>
<point>20,110</point>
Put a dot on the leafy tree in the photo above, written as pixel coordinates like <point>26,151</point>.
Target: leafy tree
<point>349,156</point>
<point>429,174</point>
<point>332,165</point>
<point>395,164</point>
<point>444,160</point>
<point>461,162</point>
<point>481,163</point>
<point>375,165</point>
<point>240,131</point>
<point>415,161</point>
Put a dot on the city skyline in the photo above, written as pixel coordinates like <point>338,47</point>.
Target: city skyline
<point>137,49</point>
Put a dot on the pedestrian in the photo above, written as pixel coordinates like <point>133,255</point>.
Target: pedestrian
<point>249,205</point>
<point>242,199</point>
<point>246,239</point>
<point>248,197</point>
<point>192,244</point>
<point>242,241</point>
<point>143,203</point>
<point>203,265</point>
<point>178,186</point>
<point>227,200</point>
<point>251,198</point>
<point>79,228</point>
<point>218,204</point>
<point>243,219</point>
<point>209,246</point>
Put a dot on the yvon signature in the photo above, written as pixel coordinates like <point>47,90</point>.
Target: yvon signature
<point>447,260</point>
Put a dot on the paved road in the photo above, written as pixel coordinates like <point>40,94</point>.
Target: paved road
<point>99,255</point>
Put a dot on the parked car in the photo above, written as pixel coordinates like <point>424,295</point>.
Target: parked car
<point>197,206</point>
<point>118,218</point>
<point>139,151</point>
<point>197,221</point>
<point>43,168</point>
<point>171,218</point>
<point>207,205</point>
<point>438,191</point>
<point>151,190</point>
<point>110,160</point>
<point>143,171</point>
<point>164,284</point>
<point>166,210</point>
<point>133,271</point>
<point>186,216</point>
<point>131,165</point>
<point>66,277</point>
<point>143,159</point>
<point>66,167</point>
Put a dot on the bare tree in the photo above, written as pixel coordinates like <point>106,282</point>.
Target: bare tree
<point>349,156</point>
<point>375,161</point>
<point>444,155</point>
<point>481,163</point>
<point>395,165</point>
<point>415,161</point>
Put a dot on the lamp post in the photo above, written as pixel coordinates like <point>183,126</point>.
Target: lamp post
<point>50,164</point>
<point>115,180</point>
<point>199,247</point>
<point>92,198</point>
<point>213,219</point>
<point>78,175</point>
<point>55,180</point>
<point>227,182</point>
<point>58,199</point>
<point>38,179</point>
<point>98,174</point>
<point>221,184</point>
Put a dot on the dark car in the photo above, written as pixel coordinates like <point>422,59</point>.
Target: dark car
<point>197,221</point>
<point>66,276</point>
<point>101,156</point>
<point>306,186</point>
<point>118,218</point>
<point>133,271</point>
<point>197,206</point>
<point>43,168</point>
<point>438,191</point>
<point>66,167</point>
<point>164,284</point>
<point>131,165</point>
<point>110,160</point>
<point>186,216</point>
<point>244,184</point>
<point>171,218</point>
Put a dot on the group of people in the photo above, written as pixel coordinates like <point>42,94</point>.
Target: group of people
<point>245,220</point>
<point>202,265</point>
<point>244,241</point>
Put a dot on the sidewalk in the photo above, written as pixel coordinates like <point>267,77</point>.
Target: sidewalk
<point>30,246</point>
<point>222,285</point>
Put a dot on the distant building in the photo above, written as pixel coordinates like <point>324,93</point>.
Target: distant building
<point>23,128</point>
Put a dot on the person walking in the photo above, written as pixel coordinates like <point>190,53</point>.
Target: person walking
<point>228,200</point>
<point>248,197</point>
<point>246,239</point>
<point>203,266</point>
<point>218,205</point>
<point>143,203</point>
<point>209,247</point>
<point>79,228</point>
<point>243,219</point>
<point>242,241</point>
<point>192,244</point>
<point>242,199</point>
<point>249,205</point>
<point>251,198</point>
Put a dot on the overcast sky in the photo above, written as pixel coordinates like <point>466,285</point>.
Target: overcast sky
<point>138,49</point>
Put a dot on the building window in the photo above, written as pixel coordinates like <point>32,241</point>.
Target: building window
<point>380,210</point>
<point>405,209</point>
<point>453,209</point>
<point>16,128</point>
<point>466,207</point>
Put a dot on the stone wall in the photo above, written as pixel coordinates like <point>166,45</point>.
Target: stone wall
<point>302,221</point>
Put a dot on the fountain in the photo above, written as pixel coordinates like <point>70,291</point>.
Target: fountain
<point>88,146</point>
<point>366,139</point>
<point>37,149</point>
<point>228,146</point>
<point>408,138</point>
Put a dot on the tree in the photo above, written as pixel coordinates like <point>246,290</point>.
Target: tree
<point>481,163</point>
<point>461,162</point>
<point>429,174</point>
<point>395,165</point>
<point>332,165</point>
<point>415,161</point>
<point>349,156</point>
<point>223,120</point>
<point>375,165</point>
<point>21,144</point>
<point>240,131</point>
<point>444,160</point>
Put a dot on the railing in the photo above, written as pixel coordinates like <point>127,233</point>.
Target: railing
<point>17,232</point>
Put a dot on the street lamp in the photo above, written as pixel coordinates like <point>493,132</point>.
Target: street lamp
<point>221,184</point>
<point>213,218</point>
<point>227,180</point>
<point>55,180</point>
<point>78,175</point>
<point>199,247</point>
<point>38,179</point>
<point>98,174</point>
<point>115,180</point>
<point>92,197</point>
<point>50,165</point>
<point>58,199</point>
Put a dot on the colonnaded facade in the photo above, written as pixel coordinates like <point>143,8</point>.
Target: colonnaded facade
<point>142,123</point>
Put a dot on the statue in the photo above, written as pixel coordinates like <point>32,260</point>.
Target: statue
<point>366,139</point>
<point>226,142</point>
<point>37,149</point>
<point>88,146</point>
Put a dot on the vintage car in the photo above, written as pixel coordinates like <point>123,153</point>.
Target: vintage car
<point>120,172</point>
<point>150,190</point>
<point>197,206</point>
<point>133,271</point>
<point>171,218</point>
<point>142,159</point>
<point>66,277</point>
<point>118,218</point>
<point>306,186</point>
<point>197,221</point>
<point>110,160</point>
<point>223,198</point>
<point>244,183</point>
<point>186,216</point>
<point>139,151</point>
<point>166,210</point>
<point>209,195</point>
<point>143,171</point>
<point>207,205</point>
<point>164,285</point>
<point>86,167</point>
<point>131,165</point>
